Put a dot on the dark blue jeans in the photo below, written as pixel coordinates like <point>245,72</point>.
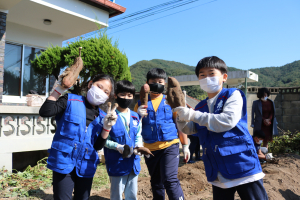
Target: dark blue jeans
<point>163,169</point>
<point>250,191</point>
<point>63,185</point>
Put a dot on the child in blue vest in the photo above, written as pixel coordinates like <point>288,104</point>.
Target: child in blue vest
<point>82,128</point>
<point>123,172</point>
<point>258,137</point>
<point>229,155</point>
<point>161,138</point>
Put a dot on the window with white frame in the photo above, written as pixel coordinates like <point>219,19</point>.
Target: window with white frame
<point>20,78</point>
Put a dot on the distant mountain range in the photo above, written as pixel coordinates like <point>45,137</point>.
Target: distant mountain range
<point>284,76</point>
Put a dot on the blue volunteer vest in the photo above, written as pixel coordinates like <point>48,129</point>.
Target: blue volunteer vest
<point>232,152</point>
<point>159,125</point>
<point>116,165</point>
<point>72,144</point>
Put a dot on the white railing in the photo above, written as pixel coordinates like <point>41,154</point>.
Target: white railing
<point>22,129</point>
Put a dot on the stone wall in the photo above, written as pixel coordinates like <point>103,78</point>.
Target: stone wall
<point>287,105</point>
<point>2,49</point>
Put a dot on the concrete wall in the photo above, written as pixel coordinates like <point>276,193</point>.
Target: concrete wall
<point>287,106</point>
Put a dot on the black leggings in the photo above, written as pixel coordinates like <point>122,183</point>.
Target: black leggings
<point>194,146</point>
<point>63,185</point>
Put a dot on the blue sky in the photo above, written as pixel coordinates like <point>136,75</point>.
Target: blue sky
<point>245,34</point>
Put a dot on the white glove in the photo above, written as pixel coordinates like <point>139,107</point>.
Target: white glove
<point>142,110</point>
<point>120,148</point>
<point>136,152</point>
<point>131,152</point>
<point>269,156</point>
<point>186,152</point>
<point>60,89</point>
<point>185,114</point>
<point>110,119</point>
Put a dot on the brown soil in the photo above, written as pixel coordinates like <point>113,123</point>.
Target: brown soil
<point>282,181</point>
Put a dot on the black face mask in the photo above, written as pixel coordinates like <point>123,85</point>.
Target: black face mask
<point>156,87</point>
<point>124,103</point>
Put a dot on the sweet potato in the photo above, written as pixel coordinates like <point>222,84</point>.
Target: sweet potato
<point>144,151</point>
<point>70,75</point>
<point>126,151</point>
<point>175,96</point>
<point>145,90</point>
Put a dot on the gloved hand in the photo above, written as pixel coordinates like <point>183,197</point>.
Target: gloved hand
<point>186,152</point>
<point>131,152</point>
<point>142,110</point>
<point>185,114</point>
<point>136,152</point>
<point>269,156</point>
<point>110,119</point>
<point>60,89</point>
<point>120,148</point>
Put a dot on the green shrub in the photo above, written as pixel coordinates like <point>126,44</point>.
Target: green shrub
<point>98,54</point>
<point>286,143</point>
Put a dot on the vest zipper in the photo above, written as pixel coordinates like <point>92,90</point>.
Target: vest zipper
<point>205,151</point>
<point>216,146</point>
<point>87,150</point>
<point>75,146</point>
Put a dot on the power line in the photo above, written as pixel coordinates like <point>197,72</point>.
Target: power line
<point>144,16</point>
<point>165,16</point>
<point>146,10</point>
<point>152,13</point>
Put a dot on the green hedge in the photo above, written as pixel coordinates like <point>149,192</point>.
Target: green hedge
<point>286,143</point>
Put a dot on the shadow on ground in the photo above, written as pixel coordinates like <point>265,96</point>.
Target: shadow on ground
<point>40,194</point>
<point>289,195</point>
<point>97,198</point>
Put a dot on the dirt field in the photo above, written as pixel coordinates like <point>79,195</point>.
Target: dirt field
<point>282,182</point>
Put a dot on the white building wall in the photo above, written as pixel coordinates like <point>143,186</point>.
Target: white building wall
<point>78,8</point>
<point>32,37</point>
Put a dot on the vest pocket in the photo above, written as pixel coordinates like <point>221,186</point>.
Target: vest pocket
<point>71,126</point>
<point>60,155</point>
<point>89,162</point>
<point>237,159</point>
<point>168,112</point>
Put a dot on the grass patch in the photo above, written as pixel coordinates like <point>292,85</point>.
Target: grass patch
<point>101,178</point>
<point>27,183</point>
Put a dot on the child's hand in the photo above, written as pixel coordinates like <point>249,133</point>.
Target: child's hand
<point>186,152</point>
<point>120,148</point>
<point>142,110</point>
<point>111,118</point>
<point>184,114</point>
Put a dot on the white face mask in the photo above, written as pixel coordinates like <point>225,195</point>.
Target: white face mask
<point>260,142</point>
<point>96,96</point>
<point>210,84</point>
<point>264,98</point>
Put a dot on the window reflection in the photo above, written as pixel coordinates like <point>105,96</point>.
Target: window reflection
<point>31,79</point>
<point>12,69</point>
